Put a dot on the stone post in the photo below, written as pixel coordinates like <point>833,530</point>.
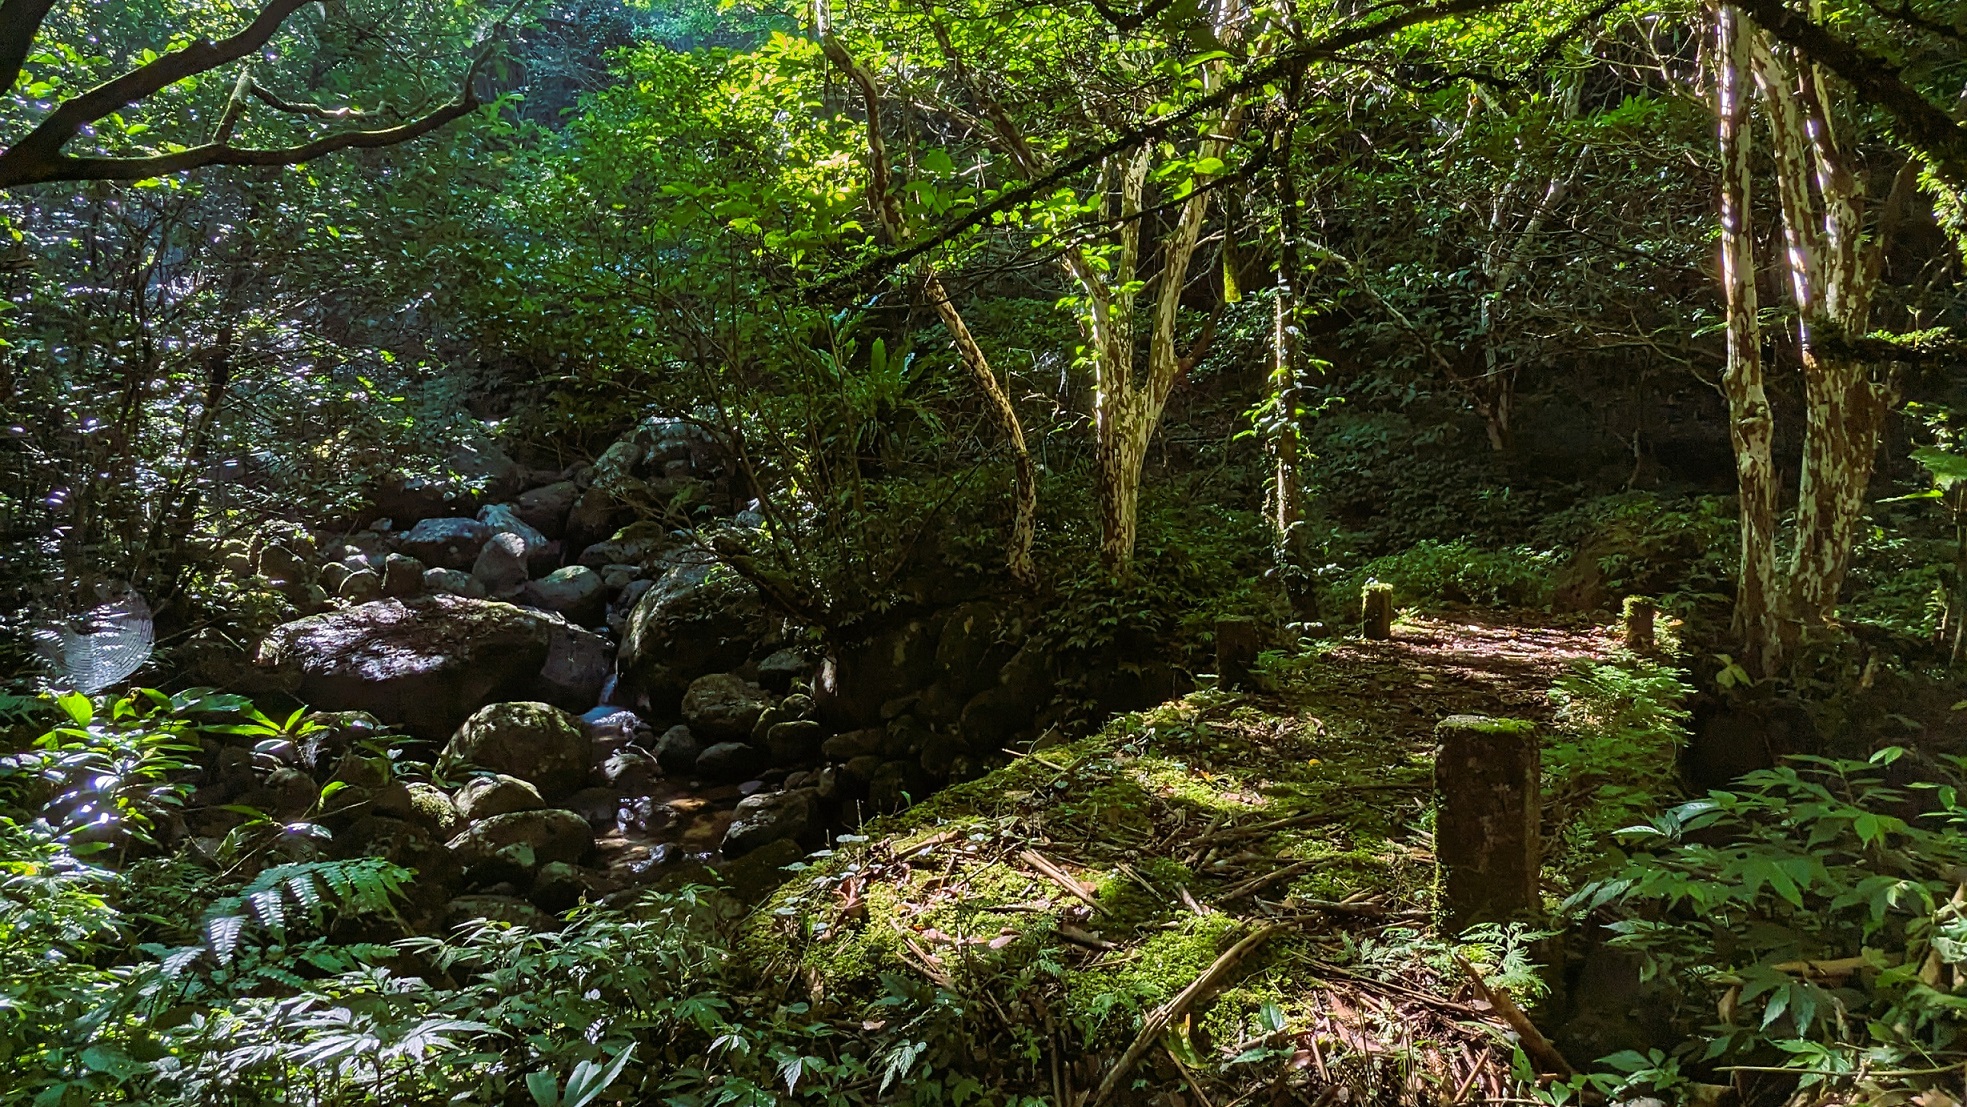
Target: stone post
<point>1640,613</point>
<point>1376,610</point>
<point>1486,833</point>
<point>1236,652</point>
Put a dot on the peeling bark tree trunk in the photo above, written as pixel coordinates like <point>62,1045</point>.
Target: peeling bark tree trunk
<point>1832,274</point>
<point>1751,426</point>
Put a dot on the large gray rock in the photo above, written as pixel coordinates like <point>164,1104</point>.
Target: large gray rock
<point>501,566</point>
<point>768,817</point>
<point>545,509</point>
<point>724,705</point>
<point>699,618</point>
<point>795,742</point>
<point>495,794</point>
<point>536,742</point>
<point>575,591</point>
<point>423,664</point>
<point>447,543</point>
<point>578,665</point>
<point>504,519</point>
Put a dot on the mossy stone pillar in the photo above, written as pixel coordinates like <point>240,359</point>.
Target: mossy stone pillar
<point>1640,614</point>
<point>1236,652</point>
<point>1486,835</point>
<point>1376,610</point>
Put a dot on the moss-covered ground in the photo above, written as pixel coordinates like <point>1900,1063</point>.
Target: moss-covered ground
<point>1055,904</point>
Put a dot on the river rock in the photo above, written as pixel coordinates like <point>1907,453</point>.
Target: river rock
<point>677,751</point>
<point>452,582</point>
<point>523,840</point>
<point>500,569</point>
<point>360,588</point>
<point>726,762</point>
<point>794,742</point>
<point>769,817</point>
<point>578,665</point>
<point>402,576</point>
<point>724,705</point>
<point>495,794</point>
<point>699,618</point>
<point>447,543</point>
<point>778,671</point>
<point>423,664</point>
<point>536,742</point>
<point>575,591</point>
<point>431,808</point>
<point>545,508</point>
<point>503,519</point>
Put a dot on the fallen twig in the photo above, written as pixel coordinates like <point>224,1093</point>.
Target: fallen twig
<point>1542,1053</point>
<point>1259,883</point>
<point>1058,876</point>
<point>1165,1016</point>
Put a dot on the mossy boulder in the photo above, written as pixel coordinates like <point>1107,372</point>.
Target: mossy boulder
<point>699,618</point>
<point>536,742</point>
<point>495,794</point>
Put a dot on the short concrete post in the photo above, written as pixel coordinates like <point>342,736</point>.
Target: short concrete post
<point>1236,652</point>
<point>1640,614</point>
<point>1486,834</point>
<point>1376,610</point>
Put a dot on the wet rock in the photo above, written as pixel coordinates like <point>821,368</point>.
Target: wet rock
<point>545,508</point>
<point>627,771</point>
<point>495,794</point>
<point>729,761</point>
<point>536,742</point>
<point>778,671</point>
<point>402,577</point>
<point>422,664</point>
<point>793,742</point>
<point>452,582</point>
<point>501,566</point>
<point>617,577</point>
<point>447,543</point>
<point>768,817</point>
<point>632,593</point>
<point>677,751</point>
<point>698,619</point>
<point>724,705</point>
<point>575,591</point>
<point>360,588</point>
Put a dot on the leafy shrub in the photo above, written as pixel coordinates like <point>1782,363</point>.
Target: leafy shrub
<point>1620,725</point>
<point>1821,919</point>
<point>1681,550</point>
<point>1456,572</point>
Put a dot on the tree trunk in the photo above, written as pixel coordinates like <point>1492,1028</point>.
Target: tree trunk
<point>1839,445</point>
<point>1751,424</point>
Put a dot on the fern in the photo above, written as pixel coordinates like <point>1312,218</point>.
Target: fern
<point>365,885</point>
